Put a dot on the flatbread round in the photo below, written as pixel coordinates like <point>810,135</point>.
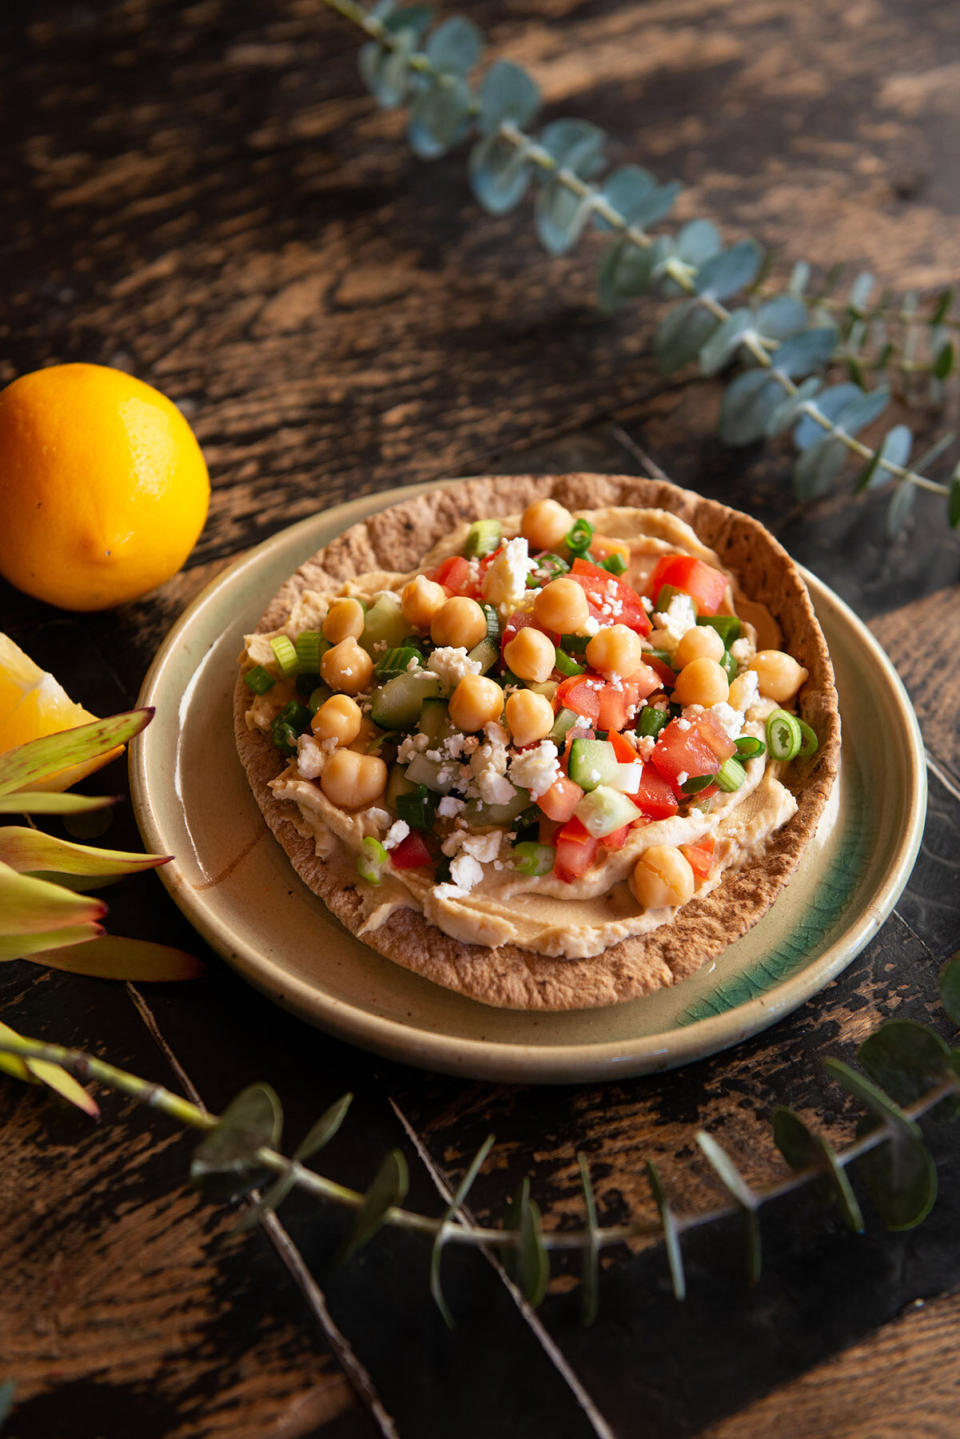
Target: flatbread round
<point>510,977</point>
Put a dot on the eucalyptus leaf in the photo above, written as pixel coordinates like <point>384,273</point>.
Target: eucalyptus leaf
<point>438,118</point>
<point>7,1390</point>
<point>29,850</point>
<point>734,1182</point>
<point>389,1188</point>
<point>499,174</point>
<point>803,1149</point>
<point>319,1135</point>
<point>803,353</point>
<point>22,946</point>
<point>635,194</point>
<point>455,46</point>
<point>901,503</point>
<point>730,271</point>
<point>944,360</point>
<point>908,1059</point>
<point>861,290</point>
<point>29,905</point>
<point>671,1235</point>
<point>950,987</point>
<point>560,217</point>
<point>725,341</point>
<point>627,270</point>
<point>780,317</point>
<point>527,1262</point>
<point>902,1179</point>
<point>408,20</point>
<point>953,502</point>
<point>110,956</point>
<point>817,468</point>
<point>385,71</point>
<point>682,335</point>
<point>895,447</point>
<point>831,404</point>
<point>748,405</point>
<point>38,759</point>
<point>436,1253</point>
<point>942,307</point>
<point>697,241</point>
<point>873,1097</point>
<point>799,277</point>
<point>507,94</point>
<point>936,450</point>
<point>225,1163</point>
<point>590,1271</point>
<point>789,409</point>
<point>575,145</point>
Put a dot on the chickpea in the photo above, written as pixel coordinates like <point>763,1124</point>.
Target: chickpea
<point>545,524</point>
<point>778,674</point>
<point>338,718</point>
<point>347,667</point>
<point>420,600</point>
<point>562,606</point>
<point>475,702</point>
<point>530,654</point>
<point>662,876</point>
<point>700,643</point>
<point>701,682</point>
<point>459,622</point>
<point>351,780</point>
<point>344,621</point>
<point>529,716</point>
<point>615,651</point>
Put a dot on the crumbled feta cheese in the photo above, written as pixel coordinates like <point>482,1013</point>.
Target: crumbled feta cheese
<point>450,663</point>
<point>647,603</point>
<point>679,616</point>
<point>729,719</point>
<point>453,745</point>
<point>683,723</point>
<point>413,664</point>
<point>466,872</point>
<point>594,776</point>
<point>329,744</point>
<point>505,583</point>
<point>682,777</point>
<point>378,817</point>
<point>536,769</point>
<point>748,689</point>
<point>310,757</point>
<point>496,733</point>
<point>494,788</point>
<point>483,847</point>
<point>412,745</point>
<point>449,807</point>
<point>591,626</point>
<point>397,832</point>
<point>646,744</point>
<point>742,650</point>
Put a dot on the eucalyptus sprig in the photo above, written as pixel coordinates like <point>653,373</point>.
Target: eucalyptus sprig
<point>785,342</point>
<point>907,1071</point>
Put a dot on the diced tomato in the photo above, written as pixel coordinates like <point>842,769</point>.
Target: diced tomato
<point>705,585</point>
<point>606,705</point>
<point>667,675</point>
<point>616,840</point>
<point>576,851</point>
<point>697,749</point>
<point>622,748</point>
<point>581,693</point>
<point>518,621</point>
<point>560,801</point>
<point>700,856</point>
<point>655,797</point>
<point>611,600</point>
<point>411,853</point>
<point>453,573</point>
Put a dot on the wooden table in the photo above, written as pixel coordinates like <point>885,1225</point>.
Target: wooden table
<point>206,196</point>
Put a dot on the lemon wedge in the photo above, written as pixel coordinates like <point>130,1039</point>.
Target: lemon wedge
<point>34,704</point>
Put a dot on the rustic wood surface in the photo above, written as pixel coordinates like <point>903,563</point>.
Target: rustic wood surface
<point>205,196</point>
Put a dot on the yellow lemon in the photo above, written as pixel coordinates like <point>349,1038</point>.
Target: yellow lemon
<point>33,704</point>
<point>103,488</point>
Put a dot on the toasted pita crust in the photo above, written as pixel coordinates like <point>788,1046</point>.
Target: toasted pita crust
<point>510,977</point>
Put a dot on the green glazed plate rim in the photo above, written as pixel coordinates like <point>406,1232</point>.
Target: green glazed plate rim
<point>234,884</point>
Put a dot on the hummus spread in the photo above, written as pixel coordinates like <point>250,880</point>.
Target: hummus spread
<point>480,897</point>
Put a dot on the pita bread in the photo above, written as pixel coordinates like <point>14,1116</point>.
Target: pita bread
<point>510,977</point>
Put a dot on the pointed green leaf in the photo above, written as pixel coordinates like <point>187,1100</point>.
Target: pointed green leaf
<point>319,1135</point>
<point>671,1235</point>
<point>942,307</point>
<point>872,1096</point>
<point>225,1161</point>
<point>29,850</point>
<point>29,905</point>
<point>140,961</point>
<point>950,987</point>
<point>39,758</point>
<point>507,94</point>
<point>734,1181</point>
<point>803,1149</point>
<point>943,363</point>
<point>388,1189</point>
<point>41,1071</point>
<point>31,801</point>
<point>463,1189</point>
<point>25,946</point>
<point>527,1262</point>
<point>590,1273</point>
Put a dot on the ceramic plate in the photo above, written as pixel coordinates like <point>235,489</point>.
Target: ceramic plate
<point>235,885</point>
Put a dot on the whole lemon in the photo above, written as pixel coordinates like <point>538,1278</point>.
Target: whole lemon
<point>103,488</point>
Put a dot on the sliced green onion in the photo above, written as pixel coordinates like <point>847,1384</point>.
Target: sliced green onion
<point>306,682</point>
<point>259,680</point>
<point>726,626</point>
<point>615,563</point>
<point>483,537</point>
<point>371,859</point>
<point>810,743</point>
<point>697,782</point>
<point>418,809</point>
<point>531,858</point>
<point>784,735</point>
<point>578,537</point>
<point>729,665</point>
<point>318,696</point>
<point>748,746</point>
<point>286,654</point>
<point>398,661</point>
<point>651,720</point>
<point>548,567</point>
<point>668,593</point>
<point>731,775</point>
<point>493,623</point>
<point>289,724</point>
<point>568,666</point>
<point>574,644</point>
<point>310,646</point>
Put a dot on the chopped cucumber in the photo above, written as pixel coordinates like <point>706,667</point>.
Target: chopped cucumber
<point>477,814</point>
<point>318,696</point>
<point>427,771</point>
<point>565,720</point>
<point>398,703</point>
<point>397,784</point>
<point>542,687</point>
<point>384,624</point>
<point>435,721</point>
<point>605,810</point>
<point>487,652</point>
<point>593,762</point>
<point>483,537</point>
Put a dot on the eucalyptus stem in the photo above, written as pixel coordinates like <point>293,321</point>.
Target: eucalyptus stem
<point>684,275</point>
<point>87,1067</point>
